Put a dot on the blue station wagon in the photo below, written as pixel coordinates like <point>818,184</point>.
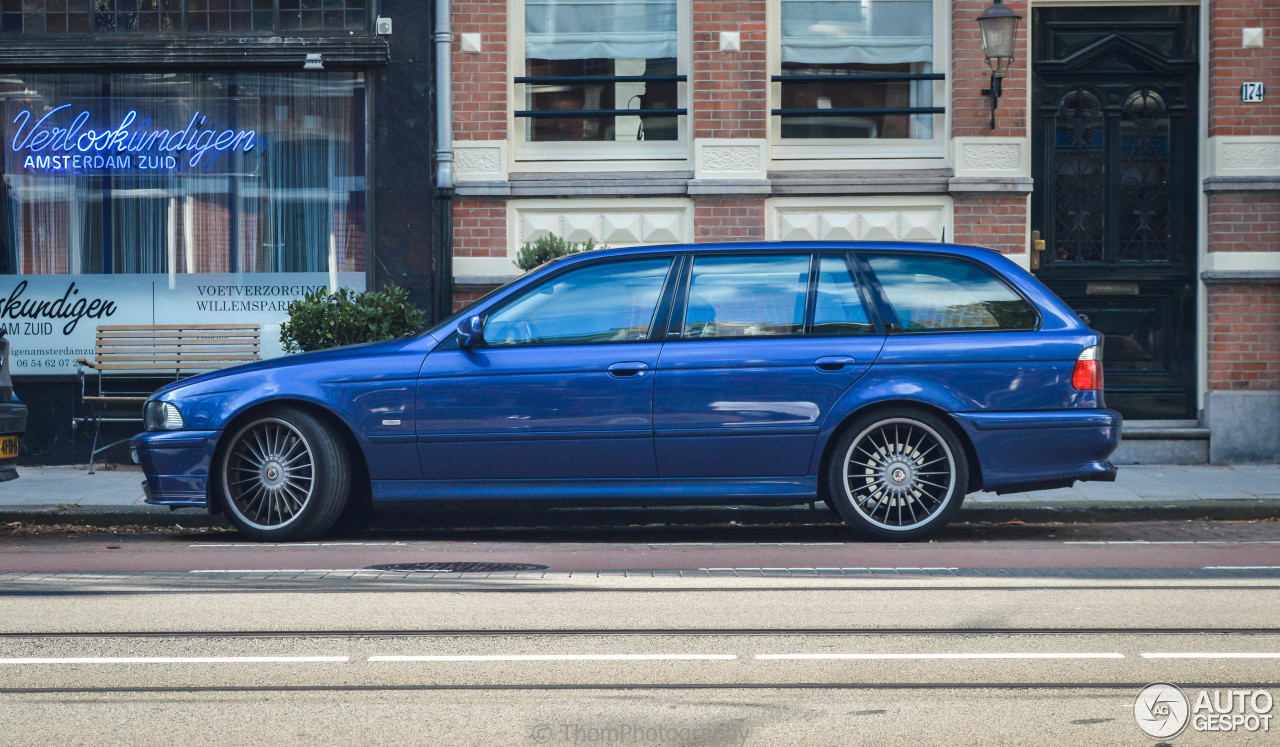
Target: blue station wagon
<point>888,380</point>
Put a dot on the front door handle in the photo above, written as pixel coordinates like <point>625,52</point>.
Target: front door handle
<point>628,370</point>
<point>833,362</point>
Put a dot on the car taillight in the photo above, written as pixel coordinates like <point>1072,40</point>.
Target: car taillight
<point>1087,375</point>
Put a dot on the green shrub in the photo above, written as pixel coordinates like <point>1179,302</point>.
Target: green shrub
<point>536,253</point>
<point>327,320</point>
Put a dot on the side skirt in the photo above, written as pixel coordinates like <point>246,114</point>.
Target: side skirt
<point>675,491</point>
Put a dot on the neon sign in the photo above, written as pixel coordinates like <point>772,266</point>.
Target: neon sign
<point>70,139</point>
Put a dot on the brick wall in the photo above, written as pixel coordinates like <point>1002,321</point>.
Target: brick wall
<point>1244,337</point>
<point>479,228</point>
<point>994,221</point>
<point>1244,221</point>
<point>465,297</point>
<point>970,110</point>
<point>729,220</point>
<point>480,80</point>
<point>1230,65</point>
<point>730,89</point>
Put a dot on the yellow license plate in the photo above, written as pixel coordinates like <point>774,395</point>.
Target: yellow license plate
<point>8,447</point>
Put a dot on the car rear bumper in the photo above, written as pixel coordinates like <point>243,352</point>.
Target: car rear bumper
<point>1042,449</point>
<point>176,464</point>
<point>13,422</point>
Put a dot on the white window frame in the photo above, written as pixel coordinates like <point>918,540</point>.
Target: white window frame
<point>864,152</point>
<point>634,156</point>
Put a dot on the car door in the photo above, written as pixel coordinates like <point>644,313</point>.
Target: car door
<point>560,388</point>
<point>760,348</point>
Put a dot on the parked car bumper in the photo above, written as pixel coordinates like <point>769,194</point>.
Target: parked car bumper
<point>13,421</point>
<point>176,464</point>
<point>1042,449</point>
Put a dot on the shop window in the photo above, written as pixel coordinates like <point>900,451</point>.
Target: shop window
<point>213,173</point>
<point>182,16</point>
<point>858,70</point>
<point>601,70</point>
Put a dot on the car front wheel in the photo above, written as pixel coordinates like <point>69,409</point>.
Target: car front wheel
<point>284,477</point>
<point>897,475</point>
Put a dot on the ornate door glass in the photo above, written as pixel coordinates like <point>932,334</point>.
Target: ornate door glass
<point>1079,178</point>
<point>1144,179</point>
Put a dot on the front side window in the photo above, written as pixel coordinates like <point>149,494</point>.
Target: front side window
<point>937,294</point>
<point>612,302</point>
<point>600,70</point>
<point>838,308</point>
<point>746,297</point>
<point>860,69</point>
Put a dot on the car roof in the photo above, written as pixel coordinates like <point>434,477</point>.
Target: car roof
<point>772,246</point>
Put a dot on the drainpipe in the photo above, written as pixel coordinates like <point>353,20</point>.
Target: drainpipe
<point>443,239</point>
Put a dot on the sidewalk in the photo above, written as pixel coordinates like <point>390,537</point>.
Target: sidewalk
<point>1140,492</point>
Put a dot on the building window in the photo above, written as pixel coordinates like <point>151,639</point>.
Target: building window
<point>181,16</point>
<point>601,70</point>
<point>182,174</point>
<point>860,69</point>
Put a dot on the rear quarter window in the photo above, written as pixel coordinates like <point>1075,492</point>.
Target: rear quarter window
<point>941,294</point>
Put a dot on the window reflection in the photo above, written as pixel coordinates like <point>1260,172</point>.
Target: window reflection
<point>746,297</point>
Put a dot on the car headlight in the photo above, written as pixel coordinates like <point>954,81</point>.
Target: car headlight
<point>161,416</point>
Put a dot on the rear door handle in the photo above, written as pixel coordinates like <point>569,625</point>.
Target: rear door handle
<point>628,370</point>
<point>833,362</point>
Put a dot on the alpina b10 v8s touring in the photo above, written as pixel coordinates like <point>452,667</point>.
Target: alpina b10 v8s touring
<point>889,380</point>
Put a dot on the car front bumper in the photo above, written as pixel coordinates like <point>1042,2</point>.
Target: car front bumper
<point>176,464</point>
<point>1042,449</point>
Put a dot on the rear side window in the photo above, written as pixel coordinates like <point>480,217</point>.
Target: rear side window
<point>838,308</point>
<point>939,294</point>
<point>746,297</point>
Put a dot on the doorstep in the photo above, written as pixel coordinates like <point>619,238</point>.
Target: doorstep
<point>1162,442</point>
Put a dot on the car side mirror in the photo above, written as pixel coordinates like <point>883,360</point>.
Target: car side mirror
<point>470,331</point>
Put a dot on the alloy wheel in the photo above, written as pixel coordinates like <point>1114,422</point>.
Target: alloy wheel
<point>899,474</point>
<point>269,474</point>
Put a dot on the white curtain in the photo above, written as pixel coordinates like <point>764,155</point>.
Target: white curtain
<point>869,32</point>
<point>600,29</point>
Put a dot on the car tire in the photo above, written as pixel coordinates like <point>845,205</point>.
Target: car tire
<point>897,475</point>
<point>284,476</point>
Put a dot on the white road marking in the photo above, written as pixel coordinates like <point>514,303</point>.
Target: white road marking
<point>1261,655</point>
<point>176,660</point>
<point>1240,568</point>
<point>944,656</point>
<point>293,570</point>
<point>215,545</point>
<point>565,657</point>
<point>1171,542</point>
<point>858,568</point>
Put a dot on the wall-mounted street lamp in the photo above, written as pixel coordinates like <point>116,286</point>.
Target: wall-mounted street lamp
<point>999,27</point>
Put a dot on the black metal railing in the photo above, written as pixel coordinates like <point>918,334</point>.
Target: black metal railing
<point>581,80</point>
<point>858,78</point>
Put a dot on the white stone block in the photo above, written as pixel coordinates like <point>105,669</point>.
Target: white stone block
<point>797,227</point>
<point>878,226</point>
<point>620,228</point>
<point>660,227</point>
<point>839,227</point>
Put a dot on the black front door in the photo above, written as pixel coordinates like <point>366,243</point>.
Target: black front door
<point>1114,137</point>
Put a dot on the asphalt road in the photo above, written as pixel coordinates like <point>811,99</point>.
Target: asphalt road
<point>693,634</point>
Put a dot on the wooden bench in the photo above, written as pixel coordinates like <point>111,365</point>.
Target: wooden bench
<point>132,361</point>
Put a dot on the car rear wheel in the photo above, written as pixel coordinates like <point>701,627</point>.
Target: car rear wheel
<point>284,477</point>
<point>897,475</point>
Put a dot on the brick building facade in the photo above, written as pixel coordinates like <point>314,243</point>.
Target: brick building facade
<point>1121,136</point>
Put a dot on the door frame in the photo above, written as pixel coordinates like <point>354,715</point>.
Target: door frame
<point>1202,167</point>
